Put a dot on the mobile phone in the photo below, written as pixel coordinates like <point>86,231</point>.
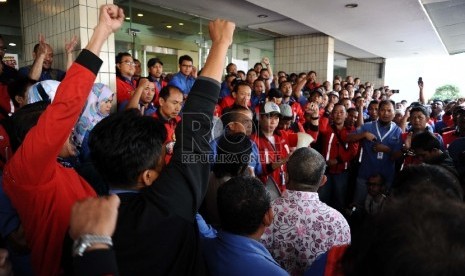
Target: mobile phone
<point>420,81</point>
<point>394,91</point>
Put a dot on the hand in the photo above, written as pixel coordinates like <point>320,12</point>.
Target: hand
<point>5,264</point>
<point>331,162</point>
<point>370,136</point>
<point>266,61</point>
<point>194,72</point>
<point>42,49</point>
<point>313,109</point>
<point>330,107</point>
<point>95,216</point>
<point>408,141</point>
<point>406,114</point>
<point>378,147</point>
<point>144,83</point>
<point>69,46</point>
<point>221,31</point>
<point>111,17</point>
<point>281,162</point>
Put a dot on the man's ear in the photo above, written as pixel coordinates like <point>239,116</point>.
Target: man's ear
<point>20,100</point>
<point>268,217</point>
<point>323,180</point>
<point>161,101</point>
<point>146,177</point>
<point>234,94</point>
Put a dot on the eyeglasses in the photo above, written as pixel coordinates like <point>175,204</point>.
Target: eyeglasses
<point>130,63</point>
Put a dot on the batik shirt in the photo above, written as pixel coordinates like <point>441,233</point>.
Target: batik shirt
<point>303,228</point>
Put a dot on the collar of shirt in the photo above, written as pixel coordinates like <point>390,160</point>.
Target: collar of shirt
<point>300,195</point>
<point>246,244</point>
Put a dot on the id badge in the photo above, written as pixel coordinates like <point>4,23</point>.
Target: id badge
<point>380,155</point>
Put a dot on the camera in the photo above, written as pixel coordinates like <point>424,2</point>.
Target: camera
<point>394,91</point>
<point>420,81</point>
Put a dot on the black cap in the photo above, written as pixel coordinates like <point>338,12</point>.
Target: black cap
<point>153,61</point>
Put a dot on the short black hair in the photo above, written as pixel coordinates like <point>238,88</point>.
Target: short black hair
<point>232,155</point>
<point>421,109</point>
<point>237,83</point>
<point>386,102</point>
<point>425,141</point>
<point>427,179</point>
<point>125,144</point>
<point>417,235</point>
<point>185,57</point>
<point>23,120</point>
<point>120,56</point>
<point>229,65</point>
<point>373,102</point>
<point>242,204</point>
<point>19,87</point>
<point>305,168</point>
<point>234,114</point>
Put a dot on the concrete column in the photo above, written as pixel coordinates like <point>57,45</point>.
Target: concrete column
<point>304,53</point>
<point>59,21</point>
<point>372,70</point>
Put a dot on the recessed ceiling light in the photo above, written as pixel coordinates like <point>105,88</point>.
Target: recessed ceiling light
<point>169,26</point>
<point>181,24</point>
<point>12,44</point>
<point>262,16</point>
<point>351,5</point>
<point>140,14</point>
<point>128,18</point>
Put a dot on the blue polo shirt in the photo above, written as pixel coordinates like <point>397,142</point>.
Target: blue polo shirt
<point>230,254</point>
<point>182,82</point>
<point>51,74</point>
<point>373,162</point>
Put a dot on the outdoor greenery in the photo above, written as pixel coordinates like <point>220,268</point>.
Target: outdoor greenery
<point>447,91</point>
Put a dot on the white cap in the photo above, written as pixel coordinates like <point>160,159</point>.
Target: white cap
<point>49,87</point>
<point>286,110</point>
<point>270,107</point>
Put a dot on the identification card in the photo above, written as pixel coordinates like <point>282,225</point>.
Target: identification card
<point>380,155</point>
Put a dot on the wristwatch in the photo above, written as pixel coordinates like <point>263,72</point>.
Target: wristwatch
<point>83,242</point>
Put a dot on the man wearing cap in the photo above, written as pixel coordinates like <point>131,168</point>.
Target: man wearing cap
<point>287,123</point>
<point>155,66</point>
<point>273,145</point>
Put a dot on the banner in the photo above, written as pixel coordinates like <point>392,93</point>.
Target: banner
<point>11,60</point>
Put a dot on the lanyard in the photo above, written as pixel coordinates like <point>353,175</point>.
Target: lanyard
<point>122,191</point>
<point>385,135</point>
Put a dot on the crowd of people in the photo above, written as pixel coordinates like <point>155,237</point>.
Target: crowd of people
<point>202,173</point>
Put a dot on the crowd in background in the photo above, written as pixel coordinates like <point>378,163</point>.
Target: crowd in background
<point>221,171</point>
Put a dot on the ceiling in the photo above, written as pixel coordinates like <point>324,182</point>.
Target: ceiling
<point>376,28</point>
